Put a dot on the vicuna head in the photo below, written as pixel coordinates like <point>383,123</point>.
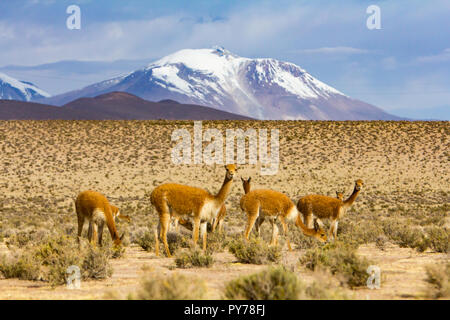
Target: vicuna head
<point>358,184</point>
<point>118,242</point>
<point>246,184</point>
<point>231,170</point>
<point>116,214</point>
<point>340,195</point>
<point>320,234</point>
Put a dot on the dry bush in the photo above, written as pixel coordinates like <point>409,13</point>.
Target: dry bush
<point>438,278</point>
<point>194,258</point>
<point>22,266</point>
<point>49,261</point>
<point>254,251</point>
<point>405,235</point>
<point>172,287</point>
<point>439,239</point>
<point>341,259</point>
<point>275,283</point>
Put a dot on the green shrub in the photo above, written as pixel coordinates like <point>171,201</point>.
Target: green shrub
<point>254,251</point>
<point>340,259</point>
<point>438,277</point>
<point>173,287</point>
<point>272,284</point>
<point>194,258</point>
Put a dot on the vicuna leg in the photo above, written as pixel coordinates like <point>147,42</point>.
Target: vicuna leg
<point>274,240</point>
<point>285,231</point>
<point>80,226</point>
<point>164,222</point>
<point>195,230</point>
<point>258,224</point>
<point>156,232</point>
<point>94,235</point>
<point>252,216</point>
<point>333,229</point>
<point>90,231</point>
<point>308,216</point>
<point>215,223</point>
<point>203,233</point>
<point>100,232</point>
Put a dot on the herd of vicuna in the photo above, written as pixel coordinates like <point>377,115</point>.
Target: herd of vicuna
<point>194,208</point>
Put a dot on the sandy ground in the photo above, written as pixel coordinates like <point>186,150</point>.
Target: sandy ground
<point>45,164</point>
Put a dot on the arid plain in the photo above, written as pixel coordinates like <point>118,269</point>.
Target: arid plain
<point>399,222</point>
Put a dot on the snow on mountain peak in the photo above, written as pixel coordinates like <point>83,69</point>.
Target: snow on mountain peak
<point>262,88</point>
<point>13,89</point>
<point>225,68</point>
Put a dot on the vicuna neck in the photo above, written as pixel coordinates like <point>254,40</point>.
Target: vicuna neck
<point>112,227</point>
<point>352,198</point>
<point>299,223</point>
<point>224,190</point>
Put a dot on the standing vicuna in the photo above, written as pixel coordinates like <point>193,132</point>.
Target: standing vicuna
<point>261,203</point>
<point>324,207</point>
<point>94,207</point>
<point>189,203</point>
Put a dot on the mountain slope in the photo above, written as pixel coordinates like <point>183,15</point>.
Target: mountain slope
<point>258,88</point>
<point>112,106</point>
<point>13,89</point>
<point>125,106</point>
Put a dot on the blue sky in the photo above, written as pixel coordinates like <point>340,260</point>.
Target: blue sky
<point>404,67</point>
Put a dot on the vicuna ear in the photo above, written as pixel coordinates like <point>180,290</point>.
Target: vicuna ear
<point>249,178</point>
<point>242,179</point>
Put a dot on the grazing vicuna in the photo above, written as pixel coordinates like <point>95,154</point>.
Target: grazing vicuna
<point>117,214</point>
<point>323,207</point>
<point>189,203</point>
<point>261,204</point>
<point>94,207</point>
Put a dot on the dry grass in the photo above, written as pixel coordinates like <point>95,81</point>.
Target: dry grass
<point>405,201</point>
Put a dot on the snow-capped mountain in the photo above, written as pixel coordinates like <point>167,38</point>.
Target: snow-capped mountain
<point>258,88</point>
<point>13,89</point>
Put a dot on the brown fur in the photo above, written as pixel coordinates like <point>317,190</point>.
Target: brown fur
<point>246,184</point>
<point>211,227</point>
<point>340,195</point>
<point>175,200</point>
<point>117,214</point>
<point>324,207</point>
<point>260,204</point>
<point>94,207</point>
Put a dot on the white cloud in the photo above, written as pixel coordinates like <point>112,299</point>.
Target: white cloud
<point>440,57</point>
